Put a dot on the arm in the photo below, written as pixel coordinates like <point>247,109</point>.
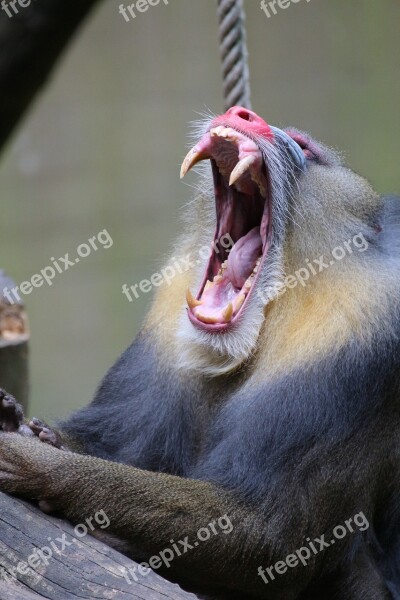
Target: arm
<point>285,463</point>
<point>150,509</point>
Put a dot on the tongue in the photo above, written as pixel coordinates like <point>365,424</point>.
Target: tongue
<point>243,257</point>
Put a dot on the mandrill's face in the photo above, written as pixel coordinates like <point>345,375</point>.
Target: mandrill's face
<point>249,161</point>
<point>278,196</point>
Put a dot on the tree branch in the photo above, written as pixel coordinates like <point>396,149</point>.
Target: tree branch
<point>30,44</point>
<point>86,568</point>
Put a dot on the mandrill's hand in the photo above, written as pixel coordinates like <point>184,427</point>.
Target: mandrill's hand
<point>12,421</point>
<point>12,415</point>
<point>29,468</point>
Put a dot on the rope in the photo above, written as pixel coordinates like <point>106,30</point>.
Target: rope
<point>234,56</point>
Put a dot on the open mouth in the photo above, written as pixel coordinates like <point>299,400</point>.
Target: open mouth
<point>243,214</point>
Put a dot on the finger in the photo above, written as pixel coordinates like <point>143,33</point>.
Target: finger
<point>45,433</point>
<point>11,413</point>
<point>36,425</point>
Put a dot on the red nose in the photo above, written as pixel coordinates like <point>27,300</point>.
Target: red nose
<point>244,120</point>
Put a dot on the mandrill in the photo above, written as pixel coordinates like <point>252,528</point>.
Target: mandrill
<point>270,397</point>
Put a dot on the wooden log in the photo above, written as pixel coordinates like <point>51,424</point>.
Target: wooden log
<point>86,568</point>
<point>14,338</point>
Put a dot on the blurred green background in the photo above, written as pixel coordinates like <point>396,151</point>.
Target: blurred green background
<point>102,146</point>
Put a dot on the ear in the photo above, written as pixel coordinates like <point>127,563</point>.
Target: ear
<point>313,150</point>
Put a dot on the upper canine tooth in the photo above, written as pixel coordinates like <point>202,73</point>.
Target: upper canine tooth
<point>191,300</point>
<point>193,157</point>
<point>241,168</point>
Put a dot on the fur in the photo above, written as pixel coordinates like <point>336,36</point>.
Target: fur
<point>290,423</point>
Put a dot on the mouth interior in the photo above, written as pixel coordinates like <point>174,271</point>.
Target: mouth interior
<point>242,233</point>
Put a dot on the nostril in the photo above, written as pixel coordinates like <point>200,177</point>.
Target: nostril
<point>245,115</point>
<point>242,113</point>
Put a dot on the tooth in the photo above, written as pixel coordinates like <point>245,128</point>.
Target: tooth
<point>191,300</point>
<point>227,314</point>
<point>208,285</point>
<point>228,134</point>
<point>206,319</point>
<point>241,168</point>
<point>224,264</point>
<point>218,278</point>
<point>193,157</point>
<point>248,283</point>
<point>216,131</point>
<point>239,301</point>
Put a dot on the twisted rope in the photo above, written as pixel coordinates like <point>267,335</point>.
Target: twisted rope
<point>234,56</point>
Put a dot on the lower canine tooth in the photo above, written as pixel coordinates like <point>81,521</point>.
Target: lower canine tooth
<point>191,300</point>
<point>228,312</point>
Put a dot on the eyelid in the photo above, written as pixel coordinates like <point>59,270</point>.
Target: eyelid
<point>292,147</point>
